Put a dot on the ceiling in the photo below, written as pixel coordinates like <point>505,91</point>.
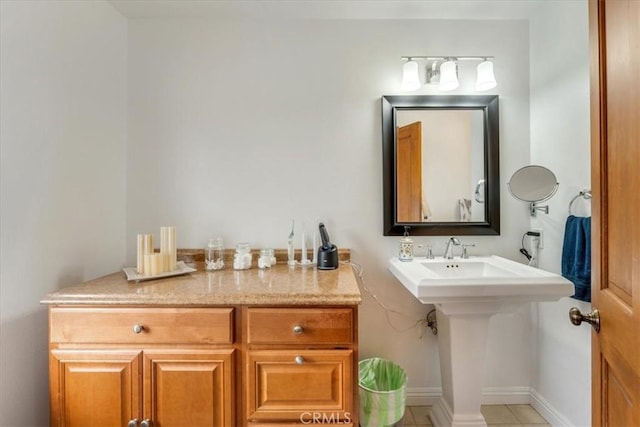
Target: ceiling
<point>329,9</point>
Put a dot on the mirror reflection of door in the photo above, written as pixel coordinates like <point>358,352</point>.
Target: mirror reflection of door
<point>409,177</point>
<point>450,159</point>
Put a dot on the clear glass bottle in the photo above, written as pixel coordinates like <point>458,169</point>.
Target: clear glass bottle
<point>242,257</point>
<point>214,254</point>
<point>267,258</point>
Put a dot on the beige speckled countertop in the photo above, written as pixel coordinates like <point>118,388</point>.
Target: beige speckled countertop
<point>279,285</point>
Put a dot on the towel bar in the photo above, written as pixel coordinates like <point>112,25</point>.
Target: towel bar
<point>585,194</point>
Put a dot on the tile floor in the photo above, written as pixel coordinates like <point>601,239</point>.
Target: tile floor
<point>495,415</point>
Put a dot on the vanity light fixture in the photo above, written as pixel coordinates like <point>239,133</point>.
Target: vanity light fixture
<point>443,72</point>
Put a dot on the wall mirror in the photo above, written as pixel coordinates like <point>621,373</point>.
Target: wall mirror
<point>533,184</point>
<point>441,164</point>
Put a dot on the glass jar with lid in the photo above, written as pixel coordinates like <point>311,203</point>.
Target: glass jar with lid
<point>213,254</point>
<point>242,258</point>
<point>267,258</point>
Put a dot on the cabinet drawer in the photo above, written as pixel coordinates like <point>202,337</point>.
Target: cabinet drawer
<point>141,325</point>
<point>293,384</point>
<point>300,326</point>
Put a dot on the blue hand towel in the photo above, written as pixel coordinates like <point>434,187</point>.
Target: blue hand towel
<point>576,256</point>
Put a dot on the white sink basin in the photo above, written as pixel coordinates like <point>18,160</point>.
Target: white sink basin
<point>476,268</point>
<point>478,279</point>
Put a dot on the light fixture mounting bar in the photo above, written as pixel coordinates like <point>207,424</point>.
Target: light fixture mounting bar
<point>457,58</point>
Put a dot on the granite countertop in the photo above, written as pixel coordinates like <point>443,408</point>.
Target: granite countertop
<point>279,285</point>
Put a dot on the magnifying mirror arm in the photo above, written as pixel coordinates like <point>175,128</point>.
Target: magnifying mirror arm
<point>533,208</point>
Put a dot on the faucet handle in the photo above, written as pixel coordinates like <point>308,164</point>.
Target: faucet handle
<point>429,252</point>
<point>465,253</point>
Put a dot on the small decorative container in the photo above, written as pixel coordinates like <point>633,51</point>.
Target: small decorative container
<point>405,248</point>
<point>242,258</point>
<point>213,254</point>
<point>267,258</point>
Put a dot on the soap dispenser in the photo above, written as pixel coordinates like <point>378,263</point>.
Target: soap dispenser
<point>405,248</point>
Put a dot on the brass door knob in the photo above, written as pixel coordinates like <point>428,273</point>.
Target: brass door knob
<point>297,329</point>
<point>592,318</point>
<point>299,360</point>
<point>133,423</point>
<point>145,423</point>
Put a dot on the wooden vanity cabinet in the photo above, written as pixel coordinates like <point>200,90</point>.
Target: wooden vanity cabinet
<point>142,366</point>
<point>208,366</point>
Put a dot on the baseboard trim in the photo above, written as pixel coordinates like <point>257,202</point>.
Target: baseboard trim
<point>428,396</point>
<point>548,411</point>
<point>423,396</point>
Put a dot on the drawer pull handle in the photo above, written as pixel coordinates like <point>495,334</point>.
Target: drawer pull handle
<point>133,423</point>
<point>297,329</point>
<point>145,423</point>
<point>138,328</point>
<point>299,360</point>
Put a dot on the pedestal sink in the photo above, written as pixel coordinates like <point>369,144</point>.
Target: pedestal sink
<point>466,293</point>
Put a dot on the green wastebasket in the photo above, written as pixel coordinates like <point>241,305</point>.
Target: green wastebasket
<point>382,391</point>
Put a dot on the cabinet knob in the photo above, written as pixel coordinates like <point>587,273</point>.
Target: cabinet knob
<point>297,329</point>
<point>299,360</point>
<point>137,329</point>
<point>133,423</point>
<point>145,423</point>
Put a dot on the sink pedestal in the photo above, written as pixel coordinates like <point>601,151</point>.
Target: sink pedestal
<point>466,293</point>
<point>462,341</point>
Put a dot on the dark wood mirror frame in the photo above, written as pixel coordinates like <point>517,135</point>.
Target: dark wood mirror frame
<point>489,105</point>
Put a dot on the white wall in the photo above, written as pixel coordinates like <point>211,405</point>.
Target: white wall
<point>560,140</point>
<point>63,83</point>
<point>237,126</point>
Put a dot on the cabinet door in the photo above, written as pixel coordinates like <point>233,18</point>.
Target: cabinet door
<point>94,387</point>
<point>189,387</point>
<point>299,385</point>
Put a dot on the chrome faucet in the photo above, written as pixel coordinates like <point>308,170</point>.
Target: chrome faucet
<point>448,252</point>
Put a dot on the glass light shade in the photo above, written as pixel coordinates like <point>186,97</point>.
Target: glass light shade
<point>448,76</point>
<point>485,80</point>
<point>410,77</point>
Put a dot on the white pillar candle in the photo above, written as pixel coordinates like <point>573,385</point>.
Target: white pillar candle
<point>147,249</point>
<point>171,247</point>
<point>140,257</point>
<point>155,264</point>
<point>148,244</point>
<point>166,262</point>
<point>163,240</point>
<point>147,264</point>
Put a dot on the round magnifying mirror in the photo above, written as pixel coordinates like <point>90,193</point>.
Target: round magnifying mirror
<point>533,184</point>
